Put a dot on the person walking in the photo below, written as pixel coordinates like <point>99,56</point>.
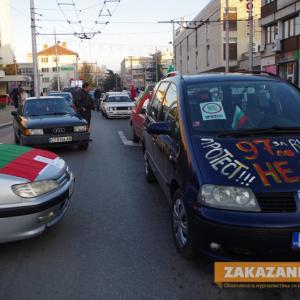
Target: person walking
<point>16,96</point>
<point>84,103</point>
<point>97,96</point>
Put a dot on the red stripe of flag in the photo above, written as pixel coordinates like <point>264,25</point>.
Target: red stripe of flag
<point>25,166</point>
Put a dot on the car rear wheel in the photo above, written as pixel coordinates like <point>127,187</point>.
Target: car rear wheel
<point>135,138</point>
<point>84,146</point>
<point>182,227</point>
<point>17,141</point>
<point>149,175</point>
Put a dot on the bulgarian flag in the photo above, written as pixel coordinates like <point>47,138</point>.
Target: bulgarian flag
<point>239,118</point>
<point>24,162</point>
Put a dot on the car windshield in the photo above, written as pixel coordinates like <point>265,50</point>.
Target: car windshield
<point>41,107</point>
<point>118,99</point>
<point>243,105</point>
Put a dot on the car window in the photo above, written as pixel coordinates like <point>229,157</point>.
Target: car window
<point>236,105</point>
<point>157,100</point>
<point>170,99</point>
<point>42,107</point>
<point>171,115</point>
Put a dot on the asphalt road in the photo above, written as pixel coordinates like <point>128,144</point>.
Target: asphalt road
<point>115,241</point>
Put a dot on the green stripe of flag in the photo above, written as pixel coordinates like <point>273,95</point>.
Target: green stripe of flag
<point>9,153</point>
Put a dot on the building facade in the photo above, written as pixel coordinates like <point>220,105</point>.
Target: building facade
<point>280,24</point>
<point>201,46</point>
<point>67,62</point>
<point>141,70</point>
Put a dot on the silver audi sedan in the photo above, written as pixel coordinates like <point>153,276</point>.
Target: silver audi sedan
<point>35,190</point>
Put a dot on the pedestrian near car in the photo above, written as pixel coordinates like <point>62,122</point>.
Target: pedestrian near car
<point>16,95</point>
<point>97,96</point>
<point>84,103</point>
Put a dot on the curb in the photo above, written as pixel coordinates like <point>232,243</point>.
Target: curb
<point>5,125</point>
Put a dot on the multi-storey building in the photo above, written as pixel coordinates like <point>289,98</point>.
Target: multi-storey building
<point>280,23</point>
<point>67,66</point>
<point>201,46</point>
<point>141,70</point>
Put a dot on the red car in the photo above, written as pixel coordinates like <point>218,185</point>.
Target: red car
<point>138,116</point>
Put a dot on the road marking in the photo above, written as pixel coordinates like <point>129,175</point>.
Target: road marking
<point>127,142</point>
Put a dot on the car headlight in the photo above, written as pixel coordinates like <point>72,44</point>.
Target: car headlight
<point>227,197</point>
<point>80,128</point>
<point>33,131</point>
<point>35,188</point>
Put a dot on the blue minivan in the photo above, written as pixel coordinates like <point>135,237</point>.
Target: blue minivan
<point>225,148</point>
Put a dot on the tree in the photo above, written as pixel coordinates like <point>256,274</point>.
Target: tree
<point>112,81</point>
<point>11,69</point>
<point>86,73</point>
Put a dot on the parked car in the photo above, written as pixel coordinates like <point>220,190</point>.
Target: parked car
<point>49,121</point>
<point>67,95</point>
<point>137,118</point>
<point>116,105</point>
<point>36,187</point>
<point>225,149</point>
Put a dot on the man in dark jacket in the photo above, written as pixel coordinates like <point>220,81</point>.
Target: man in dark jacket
<point>84,103</point>
<point>97,96</point>
<point>16,95</point>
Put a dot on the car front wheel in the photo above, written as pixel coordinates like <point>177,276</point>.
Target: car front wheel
<point>182,227</point>
<point>149,175</point>
<point>84,146</point>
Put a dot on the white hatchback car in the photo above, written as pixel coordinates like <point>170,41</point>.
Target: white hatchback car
<point>117,105</point>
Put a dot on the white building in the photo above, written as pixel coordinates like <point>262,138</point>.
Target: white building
<point>67,66</point>
<point>201,48</point>
<point>6,45</point>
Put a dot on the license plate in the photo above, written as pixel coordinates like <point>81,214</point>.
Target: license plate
<point>296,240</point>
<point>61,139</point>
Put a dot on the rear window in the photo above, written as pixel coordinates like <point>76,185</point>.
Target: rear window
<point>236,105</point>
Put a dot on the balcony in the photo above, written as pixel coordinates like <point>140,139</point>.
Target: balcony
<point>291,44</point>
<point>268,9</point>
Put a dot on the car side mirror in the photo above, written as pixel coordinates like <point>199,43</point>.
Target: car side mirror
<point>14,113</point>
<point>159,128</point>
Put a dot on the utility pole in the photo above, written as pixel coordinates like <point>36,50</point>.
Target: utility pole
<point>36,76</point>
<point>174,48</point>
<point>250,35</point>
<point>227,37</point>
<point>56,60</point>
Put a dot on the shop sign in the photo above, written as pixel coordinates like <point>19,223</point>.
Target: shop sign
<point>287,56</point>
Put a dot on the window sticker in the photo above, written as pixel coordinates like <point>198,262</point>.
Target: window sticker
<point>212,111</point>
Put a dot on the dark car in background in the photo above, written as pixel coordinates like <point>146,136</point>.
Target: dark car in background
<point>49,121</point>
<point>67,95</point>
<point>225,148</point>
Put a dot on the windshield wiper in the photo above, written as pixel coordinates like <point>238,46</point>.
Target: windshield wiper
<point>256,131</point>
<point>59,113</point>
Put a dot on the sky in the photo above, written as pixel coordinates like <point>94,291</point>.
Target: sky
<point>133,27</point>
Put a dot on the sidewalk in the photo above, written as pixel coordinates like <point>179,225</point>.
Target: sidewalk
<point>5,116</point>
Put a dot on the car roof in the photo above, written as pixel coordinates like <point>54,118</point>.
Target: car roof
<point>211,77</point>
<point>117,94</point>
<point>44,98</point>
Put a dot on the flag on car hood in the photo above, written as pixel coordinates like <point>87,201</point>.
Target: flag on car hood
<point>22,162</point>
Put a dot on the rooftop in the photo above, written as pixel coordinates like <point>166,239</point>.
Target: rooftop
<point>51,51</point>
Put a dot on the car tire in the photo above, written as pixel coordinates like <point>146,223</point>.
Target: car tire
<point>83,147</point>
<point>182,227</point>
<point>135,138</point>
<point>17,141</point>
<point>149,175</point>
